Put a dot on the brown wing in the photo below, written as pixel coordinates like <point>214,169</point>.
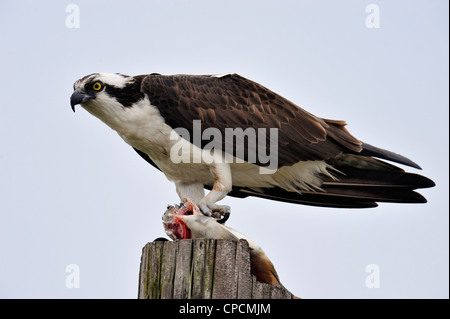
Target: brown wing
<point>232,102</point>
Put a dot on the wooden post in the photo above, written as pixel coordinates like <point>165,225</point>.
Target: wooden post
<point>201,269</point>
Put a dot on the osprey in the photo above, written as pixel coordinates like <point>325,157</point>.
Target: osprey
<point>316,161</point>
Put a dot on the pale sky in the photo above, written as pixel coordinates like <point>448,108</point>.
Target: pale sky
<point>73,193</point>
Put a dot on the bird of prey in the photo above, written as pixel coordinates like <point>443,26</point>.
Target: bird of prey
<point>316,161</point>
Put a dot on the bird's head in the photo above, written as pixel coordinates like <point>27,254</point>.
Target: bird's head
<point>106,95</point>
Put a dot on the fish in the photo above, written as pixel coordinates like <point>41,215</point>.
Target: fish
<point>185,221</point>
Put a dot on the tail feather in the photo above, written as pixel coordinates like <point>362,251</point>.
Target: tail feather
<point>377,194</point>
<point>310,198</point>
<point>359,182</point>
<point>370,150</point>
<point>360,177</point>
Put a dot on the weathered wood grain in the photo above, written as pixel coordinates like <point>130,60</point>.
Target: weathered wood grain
<point>182,281</point>
<point>224,284</point>
<point>242,278</point>
<point>201,269</point>
<point>168,262</point>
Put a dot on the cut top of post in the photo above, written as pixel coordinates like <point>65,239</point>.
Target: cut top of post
<point>201,269</point>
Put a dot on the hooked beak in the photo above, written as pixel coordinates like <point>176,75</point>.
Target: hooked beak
<point>79,97</point>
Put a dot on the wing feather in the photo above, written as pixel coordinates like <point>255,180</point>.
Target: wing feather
<point>233,101</point>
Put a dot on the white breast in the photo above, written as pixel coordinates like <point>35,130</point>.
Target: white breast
<point>145,129</point>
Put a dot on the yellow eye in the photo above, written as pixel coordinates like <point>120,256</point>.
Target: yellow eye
<point>97,86</point>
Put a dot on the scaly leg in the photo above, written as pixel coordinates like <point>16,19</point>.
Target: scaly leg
<point>222,186</point>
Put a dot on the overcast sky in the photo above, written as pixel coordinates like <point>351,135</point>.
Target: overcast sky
<point>73,193</point>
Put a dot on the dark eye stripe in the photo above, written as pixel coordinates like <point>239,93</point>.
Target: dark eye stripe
<point>128,95</point>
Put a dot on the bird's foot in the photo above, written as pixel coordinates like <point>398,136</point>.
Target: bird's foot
<point>189,208</point>
<point>220,212</point>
